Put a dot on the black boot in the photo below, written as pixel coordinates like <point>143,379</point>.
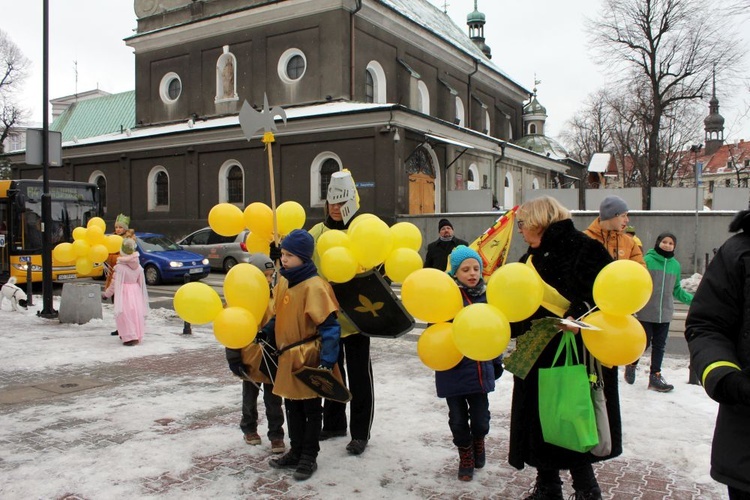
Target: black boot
<point>465,463</point>
<point>480,457</point>
<point>289,460</point>
<point>594,493</point>
<point>305,467</point>
<point>546,492</point>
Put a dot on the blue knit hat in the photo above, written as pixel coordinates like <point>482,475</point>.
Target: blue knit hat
<point>460,254</point>
<point>300,243</point>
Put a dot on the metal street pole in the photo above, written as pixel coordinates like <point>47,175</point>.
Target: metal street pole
<point>695,149</point>
<point>47,310</point>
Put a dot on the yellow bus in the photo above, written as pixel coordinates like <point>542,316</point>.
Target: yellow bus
<point>73,205</point>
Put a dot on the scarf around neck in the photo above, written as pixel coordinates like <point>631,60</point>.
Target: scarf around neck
<point>299,274</point>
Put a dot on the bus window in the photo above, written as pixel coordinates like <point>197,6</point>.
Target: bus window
<point>4,243</point>
<point>32,237</point>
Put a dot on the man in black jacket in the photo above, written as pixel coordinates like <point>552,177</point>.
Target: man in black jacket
<point>717,329</point>
<point>439,250</point>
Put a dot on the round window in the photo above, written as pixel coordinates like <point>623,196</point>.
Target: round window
<point>292,65</point>
<point>170,88</point>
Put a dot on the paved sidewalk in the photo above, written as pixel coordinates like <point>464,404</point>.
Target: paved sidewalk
<point>209,469</point>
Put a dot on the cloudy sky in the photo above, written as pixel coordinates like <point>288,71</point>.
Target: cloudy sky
<point>545,40</point>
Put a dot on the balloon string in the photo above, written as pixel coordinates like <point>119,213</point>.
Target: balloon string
<point>587,313</point>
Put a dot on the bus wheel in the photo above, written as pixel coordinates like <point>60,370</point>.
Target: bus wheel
<point>152,275</point>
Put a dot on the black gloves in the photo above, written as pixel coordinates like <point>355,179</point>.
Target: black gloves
<point>234,358</point>
<point>734,388</point>
<point>274,251</point>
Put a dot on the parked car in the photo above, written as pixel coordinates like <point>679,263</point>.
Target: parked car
<point>163,260</point>
<point>223,252</point>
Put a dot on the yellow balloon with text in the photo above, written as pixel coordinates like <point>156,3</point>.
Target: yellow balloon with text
<point>516,290</point>
<point>290,215</point>
<point>197,303</point>
<point>114,243</point>
<point>330,239</point>
<point>436,347</point>
<point>84,265</point>
<point>431,296</point>
<point>246,286</point>
<point>401,263</point>
<point>481,332</point>
<point>98,254</point>
<point>235,327</point>
<point>371,242</point>
<point>63,252</point>
<point>406,235</point>
<point>79,233</point>
<point>338,265</point>
<point>622,287</point>
<point>226,219</point>
<point>621,340</point>
<point>81,248</point>
<point>258,219</point>
<point>97,221</point>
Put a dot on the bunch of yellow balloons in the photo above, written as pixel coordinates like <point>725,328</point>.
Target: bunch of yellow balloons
<point>478,331</point>
<point>621,289</point>
<point>90,246</point>
<point>368,244</point>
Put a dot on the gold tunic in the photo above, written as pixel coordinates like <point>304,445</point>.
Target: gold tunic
<point>299,312</point>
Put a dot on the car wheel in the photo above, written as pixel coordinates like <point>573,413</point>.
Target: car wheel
<point>229,263</point>
<point>152,275</point>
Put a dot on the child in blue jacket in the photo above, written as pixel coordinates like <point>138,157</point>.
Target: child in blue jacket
<point>657,313</point>
<point>465,386</point>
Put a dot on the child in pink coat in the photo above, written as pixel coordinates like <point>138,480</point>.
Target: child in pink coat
<point>131,296</point>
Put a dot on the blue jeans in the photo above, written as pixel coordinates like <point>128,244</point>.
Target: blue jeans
<point>656,337</point>
<point>468,418</point>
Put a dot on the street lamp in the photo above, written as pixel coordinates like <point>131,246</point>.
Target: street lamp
<point>695,149</point>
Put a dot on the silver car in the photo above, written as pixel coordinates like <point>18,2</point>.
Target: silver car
<point>223,252</point>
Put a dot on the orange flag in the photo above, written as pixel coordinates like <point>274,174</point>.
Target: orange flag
<point>494,244</point>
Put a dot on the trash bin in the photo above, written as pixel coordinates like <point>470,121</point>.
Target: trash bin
<point>80,303</point>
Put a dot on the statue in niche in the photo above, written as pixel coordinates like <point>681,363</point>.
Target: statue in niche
<point>227,79</point>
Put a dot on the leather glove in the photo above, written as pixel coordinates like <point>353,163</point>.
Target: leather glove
<point>234,358</point>
<point>734,388</point>
<point>274,251</point>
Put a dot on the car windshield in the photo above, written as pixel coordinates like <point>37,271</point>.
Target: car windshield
<point>157,244</point>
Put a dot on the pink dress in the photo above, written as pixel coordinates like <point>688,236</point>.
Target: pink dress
<point>131,297</point>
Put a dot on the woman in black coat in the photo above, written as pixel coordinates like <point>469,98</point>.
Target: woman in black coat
<point>568,261</point>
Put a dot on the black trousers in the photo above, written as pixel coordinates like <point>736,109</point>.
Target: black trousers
<point>356,370</point>
<point>468,418</point>
<point>274,412</point>
<point>303,418</point>
<point>735,494</point>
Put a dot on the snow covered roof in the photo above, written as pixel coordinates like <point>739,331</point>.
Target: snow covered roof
<point>599,162</point>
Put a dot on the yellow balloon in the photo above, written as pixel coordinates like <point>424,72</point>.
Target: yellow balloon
<point>401,263</point>
<point>290,215</point>
<point>197,303</point>
<point>63,252</point>
<point>436,348</point>
<point>246,286</point>
<point>95,235</point>
<point>226,219</point>
<point>84,265</point>
<point>235,327</point>
<point>81,248</point>
<point>258,218</point>
<point>257,244</point>
<point>622,287</point>
<point>431,296</point>
<point>79,233</point>
<point>516,290</point>
<point>371,242</point>
<point>330,239</point>
<point>114,243</point>
<point>338,265</point>
<point>97,221</point>
<point>620,341</point>
<point>98,254</point>
<point>360,218</point>
<point>406,235</point>
<point>481,332</point>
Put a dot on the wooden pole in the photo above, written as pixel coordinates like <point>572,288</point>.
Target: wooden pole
<point>268,140</point>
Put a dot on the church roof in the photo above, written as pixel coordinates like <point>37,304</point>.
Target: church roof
<point>96,117</point>
<point>543,145</point>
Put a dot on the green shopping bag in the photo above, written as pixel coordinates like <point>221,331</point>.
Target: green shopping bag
<point>565,408</point>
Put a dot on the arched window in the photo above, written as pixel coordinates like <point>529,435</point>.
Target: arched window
<point>460,113</point>
<point>376,75</point>
<point>487,123</point>
<point>321,169</point>
<point>534,183</point>
<point>532,129</point>
<point>158,189</point>
<point>472,176</point>
<point>97,177</point>
<point>232,183</point>
<point>369,87</point>
<point>226,77</point>
<point>508,192</point>
<point>424,98</point>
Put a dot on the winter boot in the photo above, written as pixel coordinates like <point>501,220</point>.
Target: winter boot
<point>289,460</point>
<point>591,494</point>
<point>465,463</point>
<point>479,454</point>
<point>630,371</point>
<point>657,383</point>
<point>305,467</point>
<point>546,492</point>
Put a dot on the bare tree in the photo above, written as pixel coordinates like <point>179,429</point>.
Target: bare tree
<point>672,47</point>
<point>13,71</point>
<point>588,131</point>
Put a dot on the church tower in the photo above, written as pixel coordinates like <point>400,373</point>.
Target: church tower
<point>713,124</point>
<point>476,21</point>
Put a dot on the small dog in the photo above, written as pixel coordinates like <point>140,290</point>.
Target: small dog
<point>14,294</point>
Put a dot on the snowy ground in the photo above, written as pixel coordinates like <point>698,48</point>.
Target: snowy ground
<point>170,403</point>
